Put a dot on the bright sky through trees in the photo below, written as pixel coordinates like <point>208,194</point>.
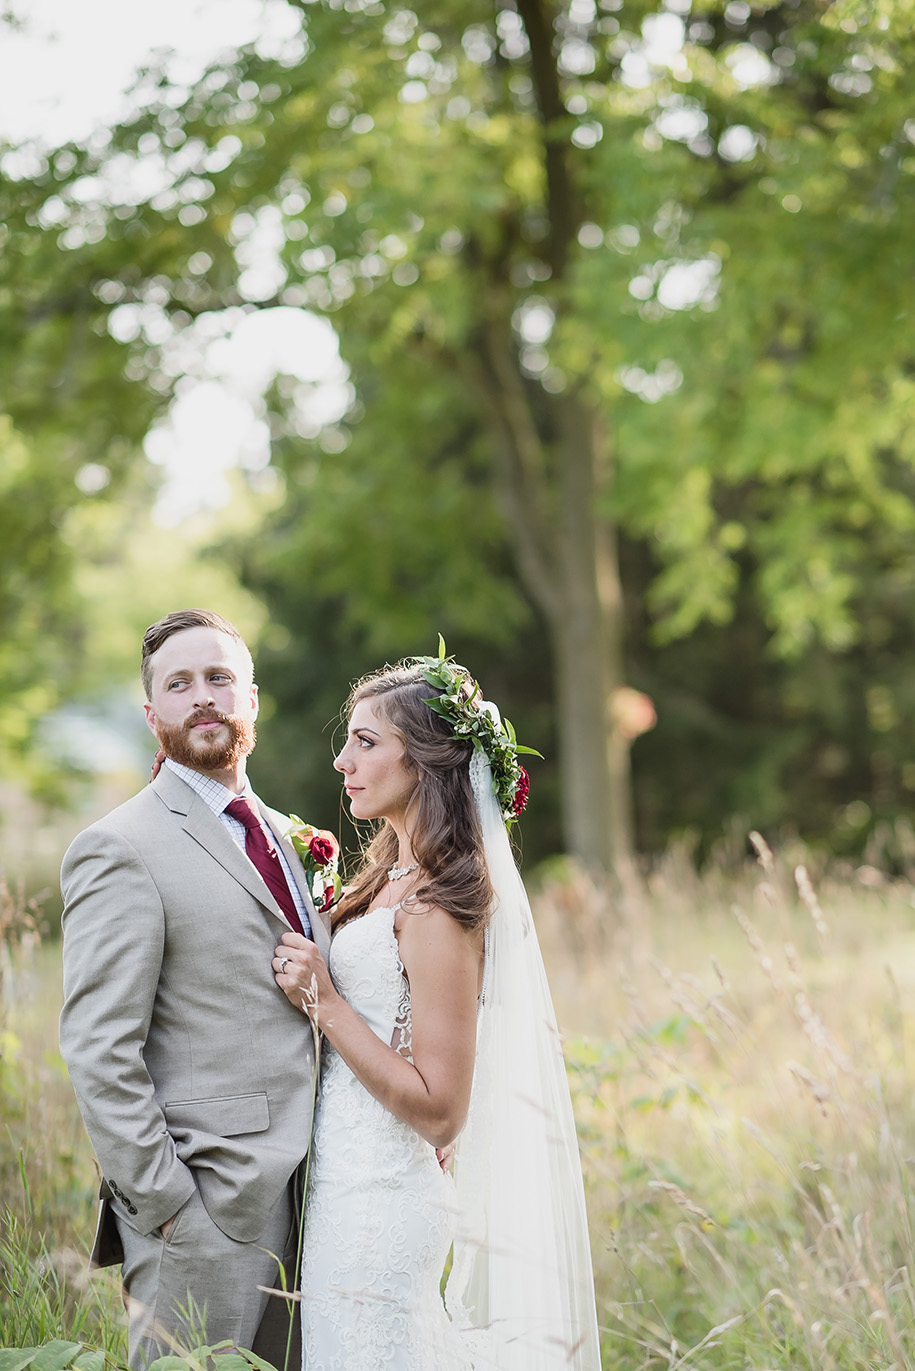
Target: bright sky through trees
<point>65,71</point>
<point>64,68</point>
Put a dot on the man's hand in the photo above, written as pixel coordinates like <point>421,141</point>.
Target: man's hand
<point>445,1157</point>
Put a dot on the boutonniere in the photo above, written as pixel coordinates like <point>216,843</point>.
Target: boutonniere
<point>320,854</point>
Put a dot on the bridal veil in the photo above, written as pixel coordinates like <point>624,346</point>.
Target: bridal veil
<point>521,1288</point>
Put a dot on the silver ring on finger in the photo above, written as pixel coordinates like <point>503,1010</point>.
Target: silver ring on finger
<point>283,961</point>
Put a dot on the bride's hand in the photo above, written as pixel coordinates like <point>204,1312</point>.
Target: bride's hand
<point>157,764</point>
<point>302,975</point>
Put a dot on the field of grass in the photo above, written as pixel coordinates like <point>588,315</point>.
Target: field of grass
<point>741,1048</point>
<point>48,1180</point>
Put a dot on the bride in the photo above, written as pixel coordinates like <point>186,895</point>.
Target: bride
<point>438,1025</point>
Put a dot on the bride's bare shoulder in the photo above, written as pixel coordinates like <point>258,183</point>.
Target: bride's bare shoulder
<point>429,925</point>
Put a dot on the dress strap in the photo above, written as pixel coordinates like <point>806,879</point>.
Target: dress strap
<point>481,998</point>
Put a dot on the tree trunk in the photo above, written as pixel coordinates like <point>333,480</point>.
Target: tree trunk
<point>566,557</point>
<point>587,635</point>
<point>610,593</point>
<point>584,605</point>
<point>580,647</point>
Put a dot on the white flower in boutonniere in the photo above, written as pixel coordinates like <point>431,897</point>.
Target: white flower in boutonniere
<point>320,854</point>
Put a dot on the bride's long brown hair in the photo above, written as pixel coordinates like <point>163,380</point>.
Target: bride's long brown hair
<point>444,829</point>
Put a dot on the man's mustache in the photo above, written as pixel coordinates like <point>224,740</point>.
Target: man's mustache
<point>206,716</point>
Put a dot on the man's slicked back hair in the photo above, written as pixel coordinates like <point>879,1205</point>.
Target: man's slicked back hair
<point>163,629</point>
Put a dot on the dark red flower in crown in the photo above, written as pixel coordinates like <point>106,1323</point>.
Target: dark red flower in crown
<point>522,792</point>
<point>323,849</point>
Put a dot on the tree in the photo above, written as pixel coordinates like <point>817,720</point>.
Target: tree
<point>75,488</point>
<point>621,266</point>
<point>70,429</point>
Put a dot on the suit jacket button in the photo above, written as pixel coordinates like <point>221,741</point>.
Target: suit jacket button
<point>131,1209</point>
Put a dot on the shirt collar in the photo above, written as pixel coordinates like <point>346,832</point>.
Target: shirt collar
<point>212,792</point>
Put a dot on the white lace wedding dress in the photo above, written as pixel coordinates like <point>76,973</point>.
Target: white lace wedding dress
<point>379,1214</point>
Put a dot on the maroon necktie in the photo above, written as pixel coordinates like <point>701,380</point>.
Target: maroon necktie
<point>259,847</point>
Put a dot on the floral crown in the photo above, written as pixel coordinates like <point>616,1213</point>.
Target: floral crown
<point>461,705</point>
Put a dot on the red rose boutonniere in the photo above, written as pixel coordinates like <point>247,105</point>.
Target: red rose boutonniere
<point>320,854</point>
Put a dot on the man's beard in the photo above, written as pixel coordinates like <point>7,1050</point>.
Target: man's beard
<point>178,742</point>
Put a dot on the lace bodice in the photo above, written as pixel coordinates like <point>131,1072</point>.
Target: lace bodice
<point>367,970</point>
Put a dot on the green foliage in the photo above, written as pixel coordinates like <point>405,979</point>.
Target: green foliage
<point>71,423</point>
<point>20,936</point>
<point>59,1355</point>
<point>36,600</point>
<point>703,248</point>
<point>48,1317</point>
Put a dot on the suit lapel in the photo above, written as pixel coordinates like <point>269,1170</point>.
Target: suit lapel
<point>208,830</point>
<point>320,923</point>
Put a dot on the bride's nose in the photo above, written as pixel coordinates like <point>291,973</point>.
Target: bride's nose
<point>340,764</point>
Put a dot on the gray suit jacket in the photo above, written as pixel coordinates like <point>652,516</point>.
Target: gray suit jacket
<point>190,1066</point>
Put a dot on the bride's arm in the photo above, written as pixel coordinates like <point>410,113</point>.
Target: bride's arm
<point>442,962</point>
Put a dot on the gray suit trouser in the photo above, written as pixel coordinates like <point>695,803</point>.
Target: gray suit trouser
<point>198,1285</point>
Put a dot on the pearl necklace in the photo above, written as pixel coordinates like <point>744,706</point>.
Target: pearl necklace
<point>397,873</point>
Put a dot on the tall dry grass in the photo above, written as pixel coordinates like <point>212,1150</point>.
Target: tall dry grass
<point>741,1054</point>
<point>48,1178</point>
<point>740,1046</point>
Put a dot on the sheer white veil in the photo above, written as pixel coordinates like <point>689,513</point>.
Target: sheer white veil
<point>521,1287</point>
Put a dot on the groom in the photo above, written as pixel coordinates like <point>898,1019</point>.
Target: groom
<point>193,1072</point>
